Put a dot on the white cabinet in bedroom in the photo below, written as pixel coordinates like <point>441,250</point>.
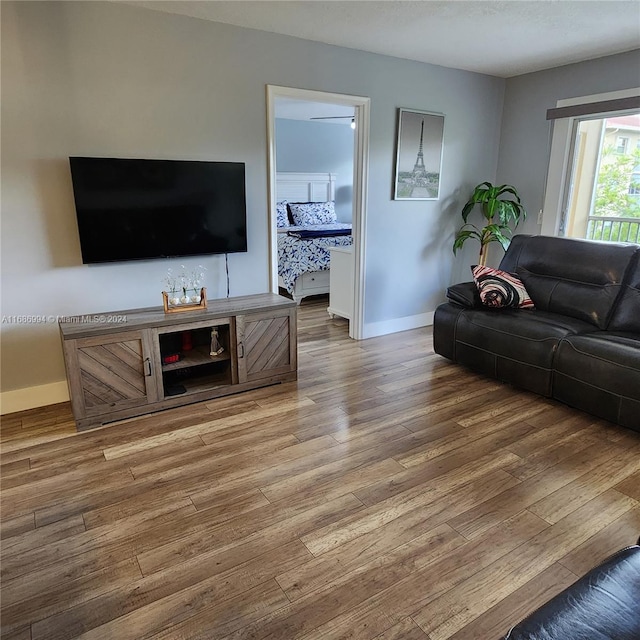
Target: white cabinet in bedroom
<point>341,282</point>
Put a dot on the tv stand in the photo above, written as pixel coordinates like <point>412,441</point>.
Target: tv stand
<point>129,363</point>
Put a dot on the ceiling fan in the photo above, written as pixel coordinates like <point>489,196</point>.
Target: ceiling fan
<point>352,118</point>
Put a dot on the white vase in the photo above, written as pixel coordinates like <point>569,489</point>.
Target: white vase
<point>174,300</point>
<point>184,300</point>
<point>196,299</point>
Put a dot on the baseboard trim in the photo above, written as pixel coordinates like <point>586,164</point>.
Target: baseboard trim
<point>374,329</point>
<point>33,397</point>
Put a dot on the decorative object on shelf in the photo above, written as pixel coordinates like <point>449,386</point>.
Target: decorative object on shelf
<point>187,341</point>
<point>418,155</point>
<point>195,283</point>
<point>174,308</point>
<point>216,347</point>
<point>185,291</point>
<point>173,294</point>
<point>500,207</point>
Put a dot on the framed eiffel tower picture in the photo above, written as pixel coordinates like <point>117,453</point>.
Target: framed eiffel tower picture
<point>419,155</point>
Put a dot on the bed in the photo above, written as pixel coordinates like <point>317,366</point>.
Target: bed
<point>307,230</point>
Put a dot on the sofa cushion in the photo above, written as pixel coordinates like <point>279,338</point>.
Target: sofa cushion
<point>576,278</point>
<point>499,289</point>
<point>600,373</point>
<point>517,346</point>
<point>527,334</point>
<point>626,315</point>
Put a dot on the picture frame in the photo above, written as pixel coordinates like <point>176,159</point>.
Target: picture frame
<point>419,151</point>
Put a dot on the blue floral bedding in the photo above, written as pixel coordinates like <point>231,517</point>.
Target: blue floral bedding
<point>297,256</point>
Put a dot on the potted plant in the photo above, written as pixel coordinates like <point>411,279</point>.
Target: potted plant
<point>501,206</point>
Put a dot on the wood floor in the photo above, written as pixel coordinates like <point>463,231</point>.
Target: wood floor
<point>387,494</point>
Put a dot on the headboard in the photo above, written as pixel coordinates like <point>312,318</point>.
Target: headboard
<point>305,187</point>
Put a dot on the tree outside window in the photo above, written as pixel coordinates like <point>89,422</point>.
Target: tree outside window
<point>618,185</point>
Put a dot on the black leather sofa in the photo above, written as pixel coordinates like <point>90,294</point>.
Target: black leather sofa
<point>603,605</point>
<point>581,343</point>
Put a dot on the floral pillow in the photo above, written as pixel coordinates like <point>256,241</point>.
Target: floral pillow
<point>499,289</point>
<point>282,215</point>
<point>306,213</point>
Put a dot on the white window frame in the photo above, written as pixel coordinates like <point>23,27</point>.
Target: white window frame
<point>561,157</point>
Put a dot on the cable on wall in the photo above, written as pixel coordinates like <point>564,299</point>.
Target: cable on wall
<point>226,264</point>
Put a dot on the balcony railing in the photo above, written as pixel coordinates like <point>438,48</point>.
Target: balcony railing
<point>611,229</point>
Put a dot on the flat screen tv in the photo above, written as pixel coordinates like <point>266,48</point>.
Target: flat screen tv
<point>141,209</point>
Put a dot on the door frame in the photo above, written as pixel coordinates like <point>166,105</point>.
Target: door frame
<point>362,108</point>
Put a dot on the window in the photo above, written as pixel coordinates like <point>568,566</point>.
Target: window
<point>622,144</point>
<point>601,202</point>
<point>594,175</point>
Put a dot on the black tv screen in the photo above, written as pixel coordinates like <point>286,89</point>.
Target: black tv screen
<point>140,209</point>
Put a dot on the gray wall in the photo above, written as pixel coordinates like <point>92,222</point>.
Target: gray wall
<point>318,147</point>
<point>109,79</point>
<point>526,134</point>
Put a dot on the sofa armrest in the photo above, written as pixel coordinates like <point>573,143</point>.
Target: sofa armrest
<point>605,603</point>
<point>465,294</point>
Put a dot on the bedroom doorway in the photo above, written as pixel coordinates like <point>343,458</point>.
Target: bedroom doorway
<point>336,106</point>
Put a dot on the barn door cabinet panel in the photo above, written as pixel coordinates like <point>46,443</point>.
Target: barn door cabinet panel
<point>266,344</point>
<point>149,361</point>
<point>109,373</point>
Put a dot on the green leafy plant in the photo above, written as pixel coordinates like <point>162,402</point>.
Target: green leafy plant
<point>501,208</point>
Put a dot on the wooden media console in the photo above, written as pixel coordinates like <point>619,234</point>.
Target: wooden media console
<point>146,360</point>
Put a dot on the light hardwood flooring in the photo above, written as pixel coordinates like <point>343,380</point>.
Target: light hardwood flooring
<point>387,494</point>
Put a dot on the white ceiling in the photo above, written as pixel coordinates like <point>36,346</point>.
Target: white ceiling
<point>500,38</point>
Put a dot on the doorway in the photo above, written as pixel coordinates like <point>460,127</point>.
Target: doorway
<point>360,107</point>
